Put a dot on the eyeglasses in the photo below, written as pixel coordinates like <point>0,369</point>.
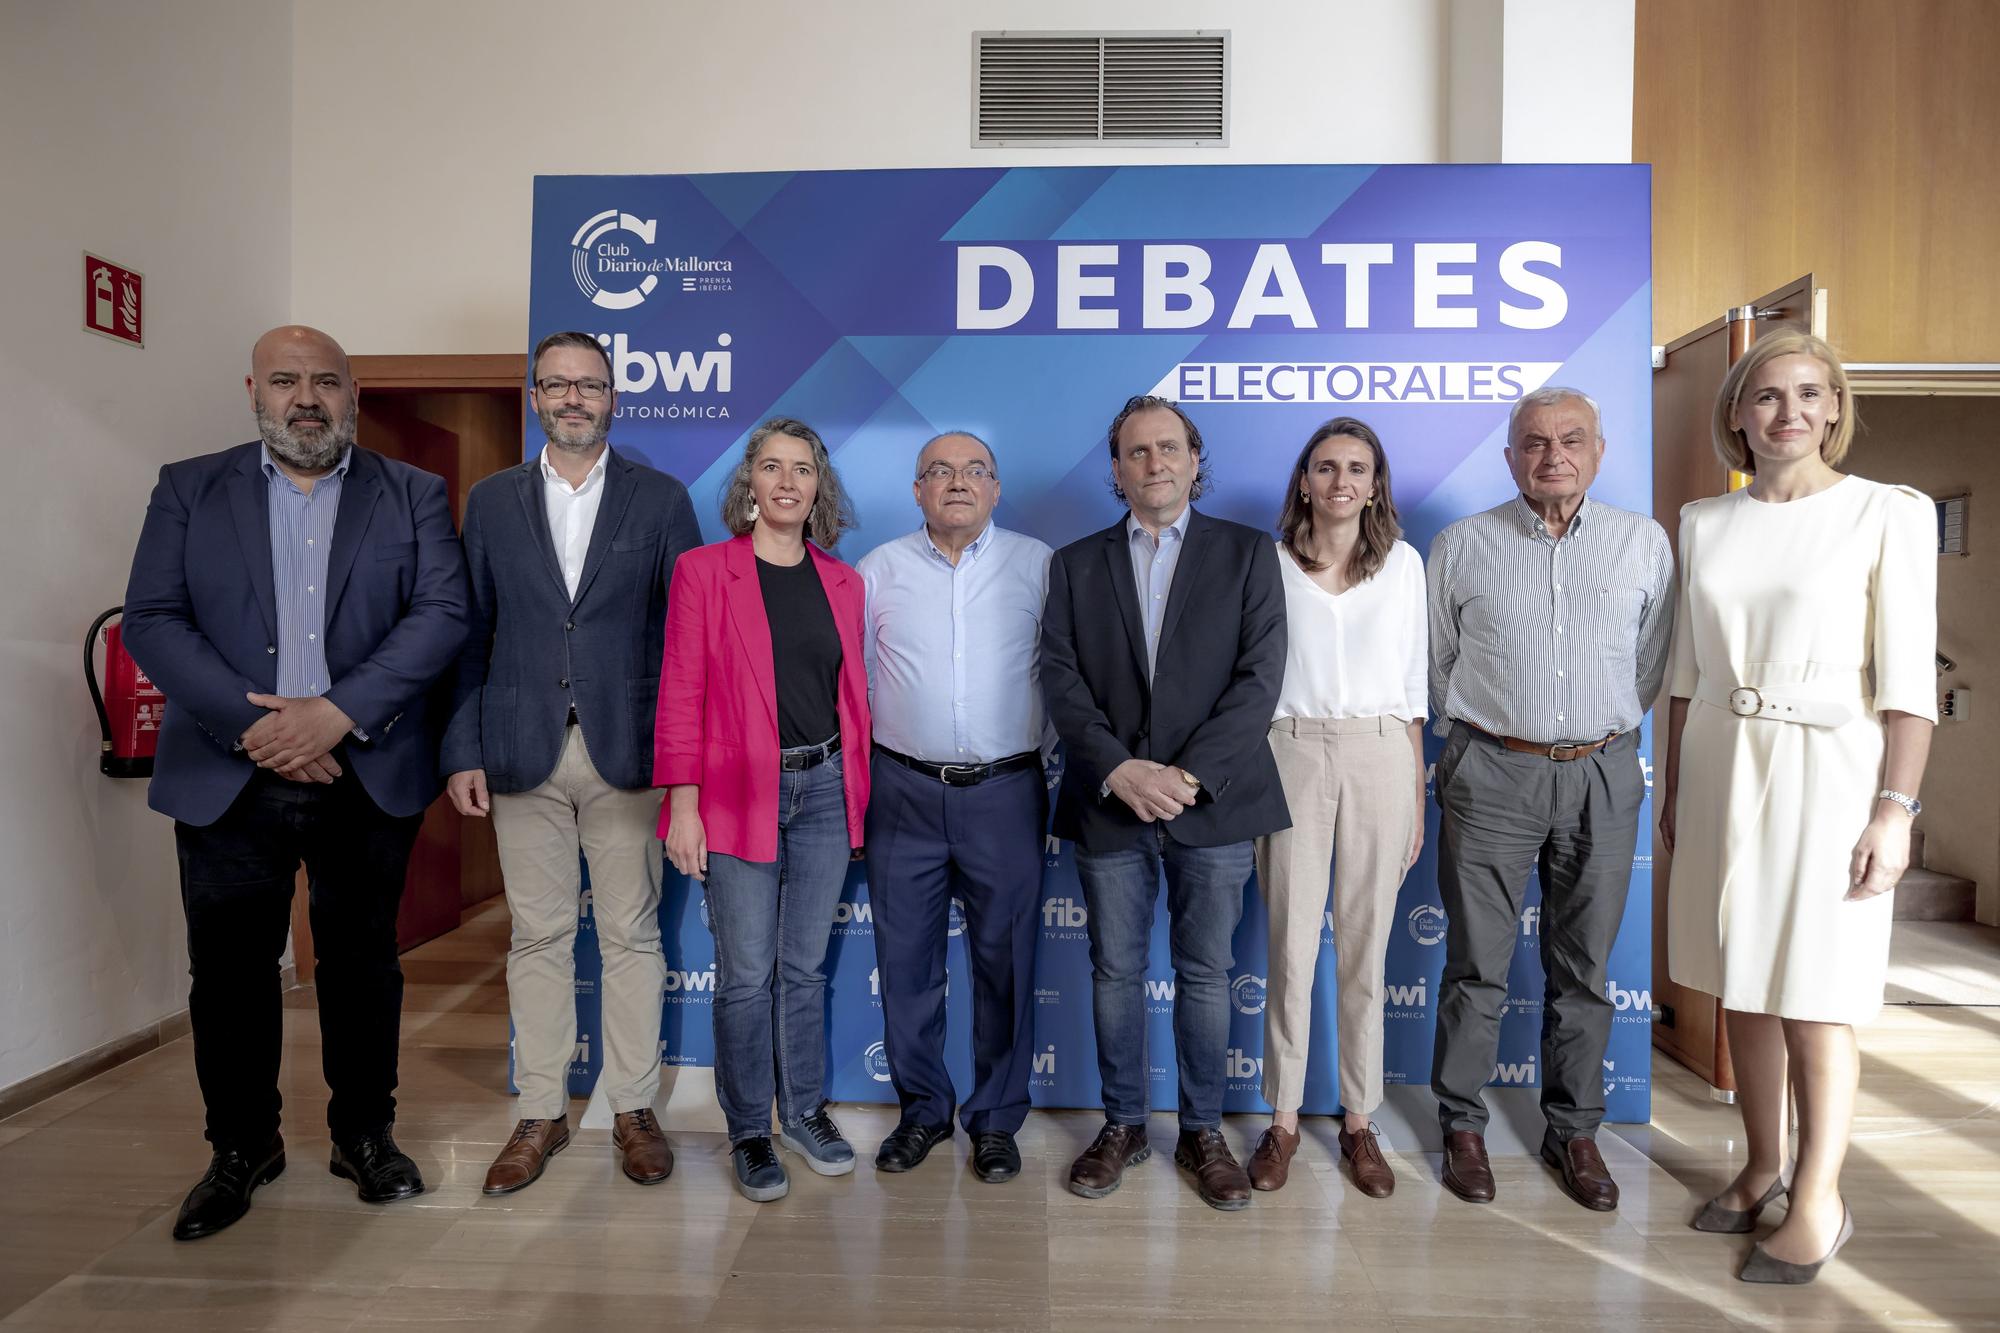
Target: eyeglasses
<point>943,473</point>
<point>557,387</point>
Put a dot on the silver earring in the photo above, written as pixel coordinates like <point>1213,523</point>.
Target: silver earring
<point>753,511</point>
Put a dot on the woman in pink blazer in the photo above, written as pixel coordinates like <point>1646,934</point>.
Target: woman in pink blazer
<point>761,740</point>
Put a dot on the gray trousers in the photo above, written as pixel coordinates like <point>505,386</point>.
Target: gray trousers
<point>1506,814</point>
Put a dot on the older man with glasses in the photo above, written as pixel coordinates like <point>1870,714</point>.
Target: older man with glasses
<point>552,733</point>
<point>959,804</point>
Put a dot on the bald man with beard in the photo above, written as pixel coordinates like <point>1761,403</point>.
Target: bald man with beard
<point>296,598</point>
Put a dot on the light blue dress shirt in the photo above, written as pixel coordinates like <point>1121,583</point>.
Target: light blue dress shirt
<point>301,538</point>
<point>953,651</point>
<point>1154,561</point>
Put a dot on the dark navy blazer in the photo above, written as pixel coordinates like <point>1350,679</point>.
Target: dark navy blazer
<point>533,650</point>
<point>201,618</point>
<point>1208,706</point>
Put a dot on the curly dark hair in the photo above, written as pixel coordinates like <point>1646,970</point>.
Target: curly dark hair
<point>1146,402</point>
<point>832,514</point>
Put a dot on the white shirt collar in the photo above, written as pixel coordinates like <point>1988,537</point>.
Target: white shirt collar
<point>550,474</point>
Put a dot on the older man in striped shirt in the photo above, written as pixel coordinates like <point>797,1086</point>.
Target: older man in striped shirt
<point>1550,617</point>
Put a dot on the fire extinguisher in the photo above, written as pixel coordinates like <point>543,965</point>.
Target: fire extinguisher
<point>129,705</point>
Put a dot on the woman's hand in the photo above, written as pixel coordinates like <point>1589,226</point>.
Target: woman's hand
<point>1881,856</point>
<point>687,840</point>
<point>1665,800</point>
<point>1417,828</point>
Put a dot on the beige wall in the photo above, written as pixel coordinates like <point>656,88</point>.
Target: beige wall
<point>159,137</point>
<point>1949,446</point>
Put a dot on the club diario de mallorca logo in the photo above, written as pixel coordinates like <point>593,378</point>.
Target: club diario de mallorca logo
<point>614,258</point>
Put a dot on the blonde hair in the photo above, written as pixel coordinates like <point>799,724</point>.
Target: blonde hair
<point>1732,447</point>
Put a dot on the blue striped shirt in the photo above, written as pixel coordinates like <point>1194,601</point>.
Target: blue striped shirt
<point>1549,640</point>
<point>301,538</point>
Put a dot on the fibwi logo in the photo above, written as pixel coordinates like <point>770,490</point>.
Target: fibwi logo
<point>583,905</point>
<point>582,1054</point>
<point>1426,924</point>
<point>1045,1061</point>
<point>1247,994</point>
<point>1159,992</point>
<point>1240,1067</point>
<point>1517,1074</point>
<point>593,254</point>
<point>1632,1006</point>
<point>955,918</point>
<point>855,918</point>
<point>876,1061</point>
<point>682,986</point>
<point>1407,1001</point>
<point>1064,916</point>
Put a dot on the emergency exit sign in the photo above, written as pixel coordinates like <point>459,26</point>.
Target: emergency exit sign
<point>113,300</point>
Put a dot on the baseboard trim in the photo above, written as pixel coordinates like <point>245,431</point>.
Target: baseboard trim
<point>36,1088</point>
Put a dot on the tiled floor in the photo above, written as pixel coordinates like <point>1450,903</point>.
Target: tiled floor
<point>90,1179</point>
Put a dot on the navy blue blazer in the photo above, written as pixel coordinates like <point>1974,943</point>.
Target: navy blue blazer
<point>533,651</point>
<point>1208,707</point>
<point>201,618</point>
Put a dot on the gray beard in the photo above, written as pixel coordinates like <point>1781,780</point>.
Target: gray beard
<point>306,455</point>
<point>550,429</point>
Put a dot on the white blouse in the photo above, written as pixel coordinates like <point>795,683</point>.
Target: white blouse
<point>1362,653</point>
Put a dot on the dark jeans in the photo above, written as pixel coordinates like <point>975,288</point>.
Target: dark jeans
<point>927,844</point>
<point>237,880</point>
<point>1204,903</point>
<point>1505,816</point>
<point>771,921</point>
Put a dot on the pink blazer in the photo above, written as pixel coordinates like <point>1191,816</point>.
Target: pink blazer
<point>717,719</point>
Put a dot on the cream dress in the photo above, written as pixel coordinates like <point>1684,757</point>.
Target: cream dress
<point>1828,604</point>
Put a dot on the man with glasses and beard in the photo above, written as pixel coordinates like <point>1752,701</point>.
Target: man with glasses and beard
<point>296,598</point>
<point>552,734</point>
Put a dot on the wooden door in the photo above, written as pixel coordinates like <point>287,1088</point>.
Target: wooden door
<point>1689,1027</point>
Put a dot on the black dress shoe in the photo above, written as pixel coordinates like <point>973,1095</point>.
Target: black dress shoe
<point>379,1169</point>
<point>994,1156</point>
<point>223,1195</point>
<point>908,1144</point>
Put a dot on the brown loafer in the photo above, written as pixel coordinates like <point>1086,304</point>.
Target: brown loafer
<point>520,1163</point>
<point>1370,1169</point>
<point>1271,1164</point>
<point>648,1159</point>
<point>1467,1173</point>
<point>1217,1178</point>
<point>1584,1175</point>
<point>1101,1166</point>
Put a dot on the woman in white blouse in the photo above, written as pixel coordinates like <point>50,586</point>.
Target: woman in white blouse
<point>1348,738</point>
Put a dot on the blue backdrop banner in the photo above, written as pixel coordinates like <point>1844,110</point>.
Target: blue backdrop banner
<point>1026,305</point>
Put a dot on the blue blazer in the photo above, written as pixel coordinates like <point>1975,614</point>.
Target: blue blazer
<point>532,650</point>
<point>201,618</point>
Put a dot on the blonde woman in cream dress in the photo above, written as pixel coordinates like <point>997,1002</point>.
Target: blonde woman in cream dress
<point>1802,704</point>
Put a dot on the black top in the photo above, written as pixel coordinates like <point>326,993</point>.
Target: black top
<point>805,649</point>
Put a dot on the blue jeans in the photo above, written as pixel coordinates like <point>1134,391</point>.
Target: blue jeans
<point>1204,903</point>
<point>771,921</point>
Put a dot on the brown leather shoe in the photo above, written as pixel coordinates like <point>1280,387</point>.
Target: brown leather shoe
<point>1584,1174</point>
<point>520,1163</point>
<point>1271,1164</point>
<point>648,1159</point>
<point>1217,1178</point>
<point>1467,1173</point>
<point>1370,1169</point>
<point>1102,1165</point>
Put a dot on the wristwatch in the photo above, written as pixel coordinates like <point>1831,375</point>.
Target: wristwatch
<point>1909,803</point>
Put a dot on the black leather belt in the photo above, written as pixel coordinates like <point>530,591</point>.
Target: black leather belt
<point>963,775</point>
<point>812,756</point>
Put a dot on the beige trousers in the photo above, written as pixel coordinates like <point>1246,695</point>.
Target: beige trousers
<point>1351,782</point>
<point>539,833</point>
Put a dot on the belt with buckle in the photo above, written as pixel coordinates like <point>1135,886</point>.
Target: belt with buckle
<point>1784,703</point>
<point>1560,751</point>
<point>963,775</point>
<point>807,757</point>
